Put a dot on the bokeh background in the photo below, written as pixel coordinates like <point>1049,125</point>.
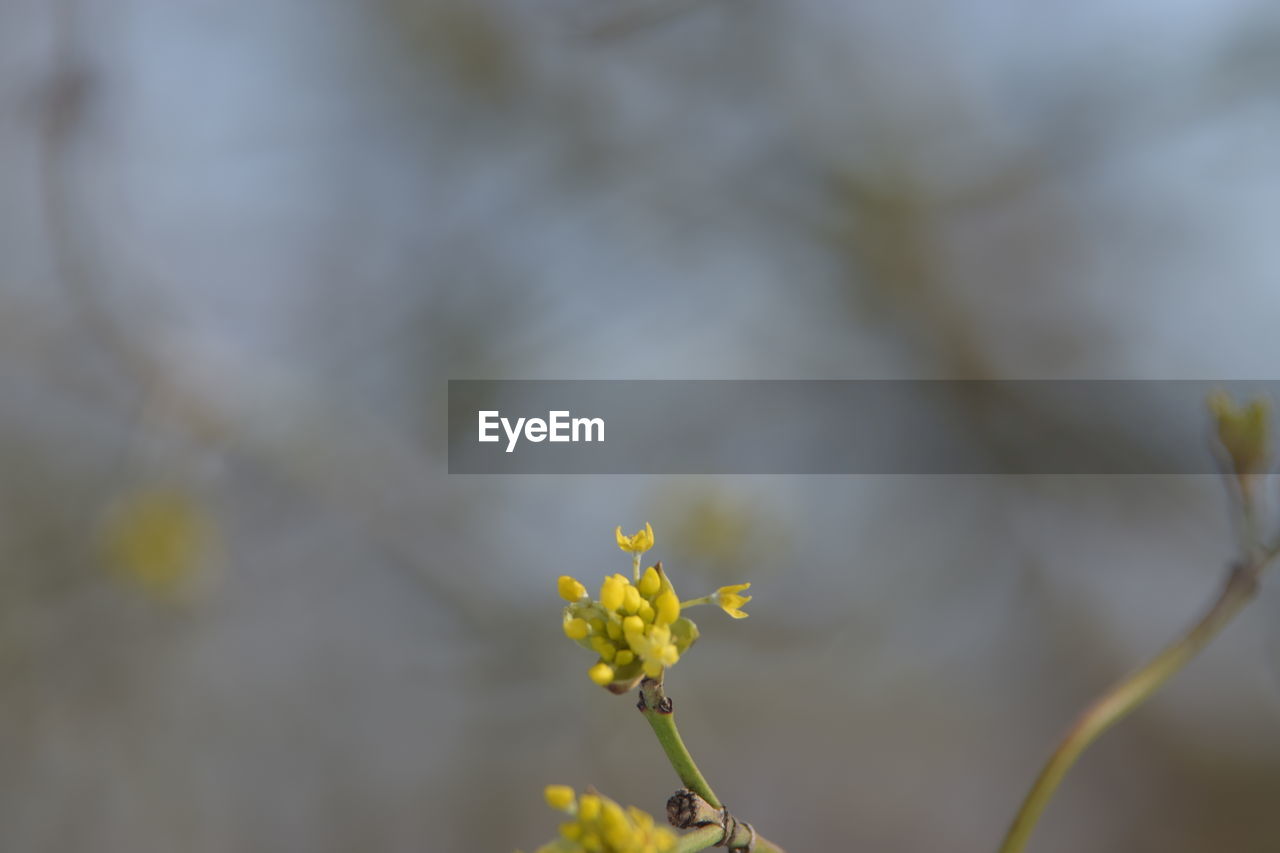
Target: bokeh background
<point>245,243</point>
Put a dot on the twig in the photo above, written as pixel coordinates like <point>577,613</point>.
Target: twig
<point>657,708</point>
<point>1240,588</point>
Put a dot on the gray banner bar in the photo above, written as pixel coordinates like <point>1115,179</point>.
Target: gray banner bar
<point>836,427</point>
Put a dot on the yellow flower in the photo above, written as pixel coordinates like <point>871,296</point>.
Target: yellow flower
<point>600,825</point>
<point>1243,432</point>
<point>634,629</point>
<point>730,602</point>
<point>638,543</point>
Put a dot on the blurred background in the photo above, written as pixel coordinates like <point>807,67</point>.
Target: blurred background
<point>244,244</point>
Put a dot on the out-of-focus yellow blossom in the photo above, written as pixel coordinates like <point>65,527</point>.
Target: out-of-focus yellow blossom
<point>727,598</point>
<point>559,797</point>
<point>600,825</point>
<point>638,543</point>
<point>1243,432</point>
<point>159,539</point>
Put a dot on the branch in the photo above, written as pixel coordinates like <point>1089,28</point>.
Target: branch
<point>658,710</point>
<point>729,833</point>
<point>1240,588</point>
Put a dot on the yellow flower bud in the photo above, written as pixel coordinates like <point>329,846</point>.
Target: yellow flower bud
<point>576,628</point>
<point>633,625</point>
<point>630,599</point>
<point>613,817</point>
<point>653,668</point>
<point>624,657</point>
<point>646,611</point>
<point>604,648</point>
<point>668,608</point>
<point>559,797</point>
<point>601,825</point>
<point>1243,432</point>
<point>589,807</point>
<point>613,592</point>
<point>650,583</point>
<point>601,673</point>
<point>570,589</point>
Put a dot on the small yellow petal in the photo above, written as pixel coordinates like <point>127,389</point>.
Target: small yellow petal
<point>559,797</point>
<point>653,668</point>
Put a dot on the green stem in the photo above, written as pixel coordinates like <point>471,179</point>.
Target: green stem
<point>657,709</point>
<point>699,839</point>
<point>1240,588</point>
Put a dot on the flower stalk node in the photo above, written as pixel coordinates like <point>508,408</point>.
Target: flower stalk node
<point>664,703</point>
<point>687,810</point>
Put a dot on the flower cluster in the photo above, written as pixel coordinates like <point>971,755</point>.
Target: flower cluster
<point>636,628</point>
<point>600,825</point>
